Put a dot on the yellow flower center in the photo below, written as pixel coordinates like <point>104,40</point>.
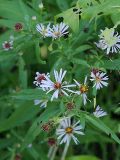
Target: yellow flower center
<point>69,130</point>
<point>57,85</point>
<point>83,88</point>
<point>57,33</point>
<point>98,79</point>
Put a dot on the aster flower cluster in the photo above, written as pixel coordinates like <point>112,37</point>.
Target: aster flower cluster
<point>58,88</point>
<point>68,102</point>
<point>56,31</point>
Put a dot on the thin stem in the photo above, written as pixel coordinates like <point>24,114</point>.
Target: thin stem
<point>50,152</point>
<point>54,153</point>
<point>65,151</point>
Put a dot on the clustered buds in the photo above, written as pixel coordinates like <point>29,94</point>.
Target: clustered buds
<point>47,126</point>
<point>18,26</point>
<point>51,141</point>
<point>70,105</point>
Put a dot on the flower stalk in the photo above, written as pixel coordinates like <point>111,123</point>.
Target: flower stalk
<point>65,150</point>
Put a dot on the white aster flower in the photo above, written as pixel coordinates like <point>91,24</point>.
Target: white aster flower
<point>7,45</point>
<point>58,86</point>
<point>109,40</point>
<point>83,89</point>
<point>59,30</point>
<point>39,78</point>
<point>99,112</point>
<point>67,130</point>
<point>99,79</point>
<point>42,103</point>
<point>44,31</point>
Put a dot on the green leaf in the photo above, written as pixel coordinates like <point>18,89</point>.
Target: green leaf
<point>62,4</point>
<point>81,49</point>
<point>7,23</point>
<point>90,12</point>
<point>72,22</point>
<point>83,158</point>
<point>62,107</point>
<point>15,10</point>
<point>33,152</point>
<point>111,64</point>
<point>99,124</point>
<point>117,110</point>
<point>20,115</point>
<point>4,56</point>
<point>6,142</point>
<point>60,61</point>
<point>30,94</point>
<point>51,111</point>
<point>82,120</point>
<point>81,62</point>
<point>22,73</point>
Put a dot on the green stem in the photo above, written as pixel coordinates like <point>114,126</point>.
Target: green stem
<point>50,152</point>
<point>54,153</point>
<point>65,151</point>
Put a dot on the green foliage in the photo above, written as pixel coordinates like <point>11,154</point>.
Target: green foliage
<point>29,94</point>
<point>99,124</point>
<point>83,158</point>
<point>112,64</point>
<point>21,121</point>
<point>22,114</point>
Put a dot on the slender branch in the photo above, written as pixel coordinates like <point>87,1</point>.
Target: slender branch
<point>65,151</point>
<point>54,153</point>
<point>50,152</point>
